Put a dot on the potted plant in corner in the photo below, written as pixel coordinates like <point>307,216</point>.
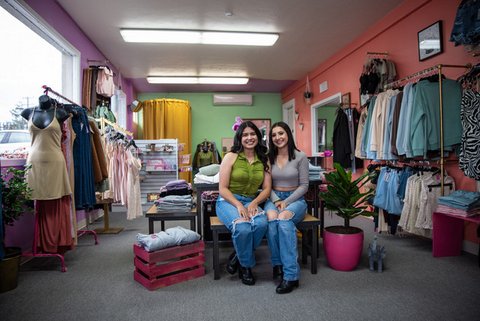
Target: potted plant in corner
<point>343,245</point>
<point>15,195</point>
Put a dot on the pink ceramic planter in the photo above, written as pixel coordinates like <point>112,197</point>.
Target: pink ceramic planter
<point>343,251</point>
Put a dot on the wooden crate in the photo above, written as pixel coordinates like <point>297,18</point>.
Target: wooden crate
<point>168,266</point>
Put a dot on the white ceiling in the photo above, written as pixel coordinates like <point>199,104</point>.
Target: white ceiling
<point>310,32</point>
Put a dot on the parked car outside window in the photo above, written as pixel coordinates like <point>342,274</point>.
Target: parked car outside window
<point>11,140</point>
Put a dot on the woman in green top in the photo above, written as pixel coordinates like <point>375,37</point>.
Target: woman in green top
<point>243,171</point>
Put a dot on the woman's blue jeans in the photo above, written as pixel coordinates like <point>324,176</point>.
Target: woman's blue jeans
<point>246,235</point>
<point>282,236</point>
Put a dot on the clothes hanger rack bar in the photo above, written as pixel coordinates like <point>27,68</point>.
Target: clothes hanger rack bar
<point>98,61</point>
<point>434,69</point>
<point>48,89</point>
<point>373,53</point>
<point>422,73</point>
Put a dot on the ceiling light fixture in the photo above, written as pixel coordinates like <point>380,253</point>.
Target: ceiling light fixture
<point>197,80</point>
<point>199,37</point>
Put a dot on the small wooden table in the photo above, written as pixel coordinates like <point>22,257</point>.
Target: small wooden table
<point>153,215</point>
<point>106,222</point>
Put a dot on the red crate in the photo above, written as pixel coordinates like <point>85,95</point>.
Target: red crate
<point>168,266</point>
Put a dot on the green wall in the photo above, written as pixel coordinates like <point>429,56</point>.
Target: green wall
<point>215,122</point>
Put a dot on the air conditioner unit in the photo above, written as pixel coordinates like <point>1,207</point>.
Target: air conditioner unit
<point>232,99</point>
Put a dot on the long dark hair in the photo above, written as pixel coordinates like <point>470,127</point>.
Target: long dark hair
<point>273,150</point>
<point>260,149</point>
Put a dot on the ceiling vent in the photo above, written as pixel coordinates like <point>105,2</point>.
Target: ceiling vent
<point>232,99</point>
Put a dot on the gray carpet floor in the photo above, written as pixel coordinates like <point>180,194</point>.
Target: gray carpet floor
<point>99,285</point>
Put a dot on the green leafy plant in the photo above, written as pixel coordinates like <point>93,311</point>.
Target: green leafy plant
<point>344,196</point>
<point>15,194</point>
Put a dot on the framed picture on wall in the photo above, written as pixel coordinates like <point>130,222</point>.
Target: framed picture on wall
<point>430,41</point>
<point>346,100</point>
<point>263,125</point>
<point>227,143</point>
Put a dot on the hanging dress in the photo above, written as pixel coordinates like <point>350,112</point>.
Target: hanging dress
<point>48,177</point>
<point>134,204</point>
<point>49,181</point>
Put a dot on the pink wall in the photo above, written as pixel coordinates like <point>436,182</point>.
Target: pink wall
<point>396,34</point>
<point>61,21</point>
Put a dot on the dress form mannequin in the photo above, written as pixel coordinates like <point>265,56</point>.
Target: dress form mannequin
<point>44,113</point>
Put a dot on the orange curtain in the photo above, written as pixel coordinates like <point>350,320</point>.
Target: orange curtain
<point>169,118</point>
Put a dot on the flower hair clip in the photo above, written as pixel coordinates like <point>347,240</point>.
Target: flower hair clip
<point>238,122</point>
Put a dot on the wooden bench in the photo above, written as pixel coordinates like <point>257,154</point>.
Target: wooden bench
<point>309,223</point>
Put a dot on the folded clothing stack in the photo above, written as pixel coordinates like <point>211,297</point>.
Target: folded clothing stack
<point>176,187</point>
<point>461,203</point>
<point>315,172</point>
<point>173,203</point>
<point>171,237</point>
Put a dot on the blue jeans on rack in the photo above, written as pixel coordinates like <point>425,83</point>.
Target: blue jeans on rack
<point>282,236</point>
<point>246,236</point>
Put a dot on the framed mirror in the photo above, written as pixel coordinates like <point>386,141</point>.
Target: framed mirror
<point>263,125</point>
<point>323,113</point>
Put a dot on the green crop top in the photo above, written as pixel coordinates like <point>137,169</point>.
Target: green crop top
<point>246,178</point>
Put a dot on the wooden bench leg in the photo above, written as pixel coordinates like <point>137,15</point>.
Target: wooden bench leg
<point>216,263</point>
<point>304,246</point>
<point>314,250</point>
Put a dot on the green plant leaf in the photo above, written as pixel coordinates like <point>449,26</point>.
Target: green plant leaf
<point>15,194</point>
<point>344,196</point>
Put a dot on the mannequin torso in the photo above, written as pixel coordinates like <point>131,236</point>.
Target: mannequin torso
<point>42,116</point>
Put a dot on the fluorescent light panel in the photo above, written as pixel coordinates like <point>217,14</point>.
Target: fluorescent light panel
<point>199,37</point>
<point>198,80</point>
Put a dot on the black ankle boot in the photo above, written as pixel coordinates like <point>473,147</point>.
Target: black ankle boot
<point>277,272</point>
<point>287,286</point>
<point>246,275</point>
<point>232,265</point>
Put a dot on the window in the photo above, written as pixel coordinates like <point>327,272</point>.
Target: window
<point>38,56</point>
<point>19,137</point>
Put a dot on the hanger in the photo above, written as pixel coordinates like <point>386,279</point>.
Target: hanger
<point>439,185</point>
<point>131,142</point>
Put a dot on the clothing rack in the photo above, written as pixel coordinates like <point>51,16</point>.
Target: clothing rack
<point>48,89</point>
<point>107,229</point>
<point>415,76</point>
<point>373,54</point>
<point>118,128</point>
<point>429,71</point>
<point>34,252</point>
<point>99,62</point>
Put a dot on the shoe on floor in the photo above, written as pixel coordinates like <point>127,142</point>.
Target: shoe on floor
<point>232,265</point>
<point>246,275</point>
<point>287,286</point>
<point>277,272</point>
